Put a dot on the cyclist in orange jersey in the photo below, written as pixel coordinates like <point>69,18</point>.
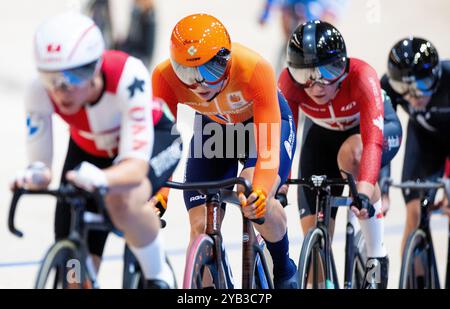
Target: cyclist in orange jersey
<point>233,91</point>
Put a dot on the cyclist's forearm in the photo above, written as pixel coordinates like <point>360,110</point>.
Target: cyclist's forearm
<point>368,189</point>
<point>127,173</point>
<point>39,144</point>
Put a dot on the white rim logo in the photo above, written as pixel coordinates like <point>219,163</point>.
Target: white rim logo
<point>192,50</point>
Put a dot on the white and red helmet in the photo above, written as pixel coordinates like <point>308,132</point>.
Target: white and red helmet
<point>67,41</point>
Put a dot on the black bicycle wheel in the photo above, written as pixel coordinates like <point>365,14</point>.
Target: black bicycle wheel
<point>132,273</point>
<point>312,265</point>
<point>201,269</point>
<point>62,268</point>
<point>418,266</point>
<point>133,278</point>
<point>359,261</point>
<point>261,275</point>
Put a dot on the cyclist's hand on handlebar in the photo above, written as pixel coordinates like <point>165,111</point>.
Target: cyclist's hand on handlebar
<point>87,177</point>
<point>281,195</point>
<point>158,204</point>
<point>386,203</point>
<point>443,205</point>
<point>364,212</point>
<point>254,207</point>
<point>284,189</point>
<point>35,177</point>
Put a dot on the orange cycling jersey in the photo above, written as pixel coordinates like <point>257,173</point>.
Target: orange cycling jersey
<point>251,92</point>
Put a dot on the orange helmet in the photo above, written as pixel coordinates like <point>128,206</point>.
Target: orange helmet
<point>198,38</point>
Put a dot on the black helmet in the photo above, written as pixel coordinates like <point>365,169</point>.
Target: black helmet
<point>314,44</point>
<point>414,62</point>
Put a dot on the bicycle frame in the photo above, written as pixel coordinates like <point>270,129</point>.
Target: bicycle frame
<point>215,195</point>
<point>321,187</point>
<point>213,229</point>
<point>424,224</point>
<point>81,223</point>
<point>350,247</point>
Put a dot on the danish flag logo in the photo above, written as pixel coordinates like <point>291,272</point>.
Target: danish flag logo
<point>54,48</point>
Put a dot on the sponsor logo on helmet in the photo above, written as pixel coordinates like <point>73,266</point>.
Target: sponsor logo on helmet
<point>192,50</point>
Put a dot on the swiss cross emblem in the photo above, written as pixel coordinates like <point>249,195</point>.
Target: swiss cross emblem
<point>54,48</point>
<point>192,50</point>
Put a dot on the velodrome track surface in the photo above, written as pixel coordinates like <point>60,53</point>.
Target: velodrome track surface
<point>370,29</point>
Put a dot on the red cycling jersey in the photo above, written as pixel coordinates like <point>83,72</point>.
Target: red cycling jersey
<point>358,102</point>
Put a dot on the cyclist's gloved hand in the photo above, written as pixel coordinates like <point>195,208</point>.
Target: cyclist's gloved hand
<point>254,206</point>
<point>282,195</point>
<point>386,203</point>
<point>36,176</point>
<point>87,177</point>
<point>158,203</point>
<point>362,207</point>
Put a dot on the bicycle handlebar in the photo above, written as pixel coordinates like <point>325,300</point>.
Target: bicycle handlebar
<point>320,182</point>
<point>65,191</point>
<point>419,185</point>
<point>214,187</point>
<point>416,185</point>
<point>211,187</point>
<point>308,182</point>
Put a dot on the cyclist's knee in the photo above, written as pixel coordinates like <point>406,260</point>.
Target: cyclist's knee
<point>118,210</point>
<point>349,155</point>
<point>276,209</point>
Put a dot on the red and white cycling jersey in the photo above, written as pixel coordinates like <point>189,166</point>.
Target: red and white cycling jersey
<point>359,102</point>
<point>119,124</point>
